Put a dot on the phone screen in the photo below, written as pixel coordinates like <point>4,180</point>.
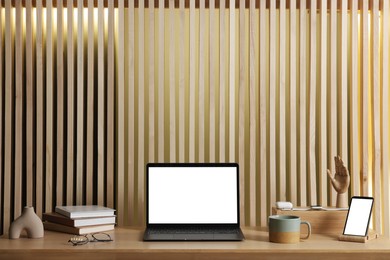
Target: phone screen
<point>359,215</point>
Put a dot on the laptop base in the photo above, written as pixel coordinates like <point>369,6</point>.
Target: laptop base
<point>231,234</point>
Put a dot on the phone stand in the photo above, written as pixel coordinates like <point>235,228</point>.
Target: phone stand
<point>371,235</point>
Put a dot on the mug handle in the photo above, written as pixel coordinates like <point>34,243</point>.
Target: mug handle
<point>308,229</point>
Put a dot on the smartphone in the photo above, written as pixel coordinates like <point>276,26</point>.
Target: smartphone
<point>359,215</point>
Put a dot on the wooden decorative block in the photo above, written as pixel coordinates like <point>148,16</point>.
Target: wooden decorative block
<point>371,235</point>
<point>321,221</point>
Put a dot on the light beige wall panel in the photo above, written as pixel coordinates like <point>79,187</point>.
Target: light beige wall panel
<point>332,149</point>
<point>282,103</point>
<point>376,117</point>
<point>130,116</point>
<point>293,102</point>
<point>101,105</point>
<point>322,131</point>
<point>90,102</point>
<point>161,84</point>
<point>110,104</point>
<point>60,104</point>
<point>80,104</point>
<point>252,115</point>
<point>141,114</point>
<point>18,163</point>
<point>8,98</point>
<point>121,113</point>
<point>172,83</point>
<point>49,172</point>
<point>263,116</point>
<point>30,103</point>
<point>71,102</point>
<point>365,97</point>
<point>354,141</point>
<point>241,110</point>
<point>312,160</point>
<point>302,105</point>
<point>39,109</point>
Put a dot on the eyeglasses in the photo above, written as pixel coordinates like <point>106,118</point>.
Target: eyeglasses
<point>84,239</point>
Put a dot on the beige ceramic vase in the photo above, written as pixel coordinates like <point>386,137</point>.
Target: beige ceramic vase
<point>28,221</point>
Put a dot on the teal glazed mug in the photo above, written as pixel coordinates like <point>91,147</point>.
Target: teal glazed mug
<point>286,229</point>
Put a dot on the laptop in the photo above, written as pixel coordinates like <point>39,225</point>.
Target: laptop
<point>192,201</point>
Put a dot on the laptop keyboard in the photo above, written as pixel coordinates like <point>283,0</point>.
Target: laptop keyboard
<point>193,231</point>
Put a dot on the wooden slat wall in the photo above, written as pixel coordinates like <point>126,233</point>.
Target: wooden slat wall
<point>302,105</point>
<point>385,112</point>
<point>1,114</point>
<point>273,95</point>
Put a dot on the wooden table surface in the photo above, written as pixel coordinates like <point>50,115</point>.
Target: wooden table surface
<point>128,244</point>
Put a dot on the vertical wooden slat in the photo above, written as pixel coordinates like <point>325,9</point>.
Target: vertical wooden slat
<point>302,104</point>
<point>121,113</point>
<point>131,113</point>
<point>49,107</point>
<point>312,108</point>
<point>385,112</point>
<point>365,101</point>
<point>293,102</point>
<point>232,80</point>
<point>222,82</point>
<point>376,94</point>
<point>90,104</point>
<point>8,98</point>
<point>39,106</point>
<point>252,114</point>
<point>323,181</point>
<point>70,110</point>
<point>241,112</point>
<point>18,110</point>
<point>151,81</point>
<point>101,106</point>
<point>172,84</point>
<point>60,104</point>
<point>141,112</point>
<point>181,85</point>
<point>201,94</point>
<point>2,115</point>
<point>161,66</point>
<point>272,103</point>
<point>191,134</point>
<point>355,170</point>
<point>212,89</point>
<point>344,82</point>
<point>110,105</point>
<point>333,95</point>
<point>80,104</point>
<point>282,100</point>
<point>29,105</point>
<point>263,115</point>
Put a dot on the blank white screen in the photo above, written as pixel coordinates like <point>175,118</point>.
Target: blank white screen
<point>192,195</point>
<point>358,217</point>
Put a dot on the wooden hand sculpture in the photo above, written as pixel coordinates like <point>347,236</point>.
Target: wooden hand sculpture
<point>340,182</point>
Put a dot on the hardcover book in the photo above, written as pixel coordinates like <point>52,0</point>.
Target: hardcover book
<point>86,211</point>
<point>77,230</point>
<point>77,222</point>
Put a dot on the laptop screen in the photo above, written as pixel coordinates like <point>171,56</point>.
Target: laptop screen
<point>192,193</point>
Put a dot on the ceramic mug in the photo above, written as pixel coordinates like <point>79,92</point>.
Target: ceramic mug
<point>286,229</point>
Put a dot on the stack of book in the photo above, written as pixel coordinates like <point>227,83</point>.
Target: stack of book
<point>80,220</point>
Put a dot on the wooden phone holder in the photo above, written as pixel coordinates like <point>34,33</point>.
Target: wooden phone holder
<point>371,235</point>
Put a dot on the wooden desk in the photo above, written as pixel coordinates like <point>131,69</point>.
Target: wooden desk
<point>128,244</point>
